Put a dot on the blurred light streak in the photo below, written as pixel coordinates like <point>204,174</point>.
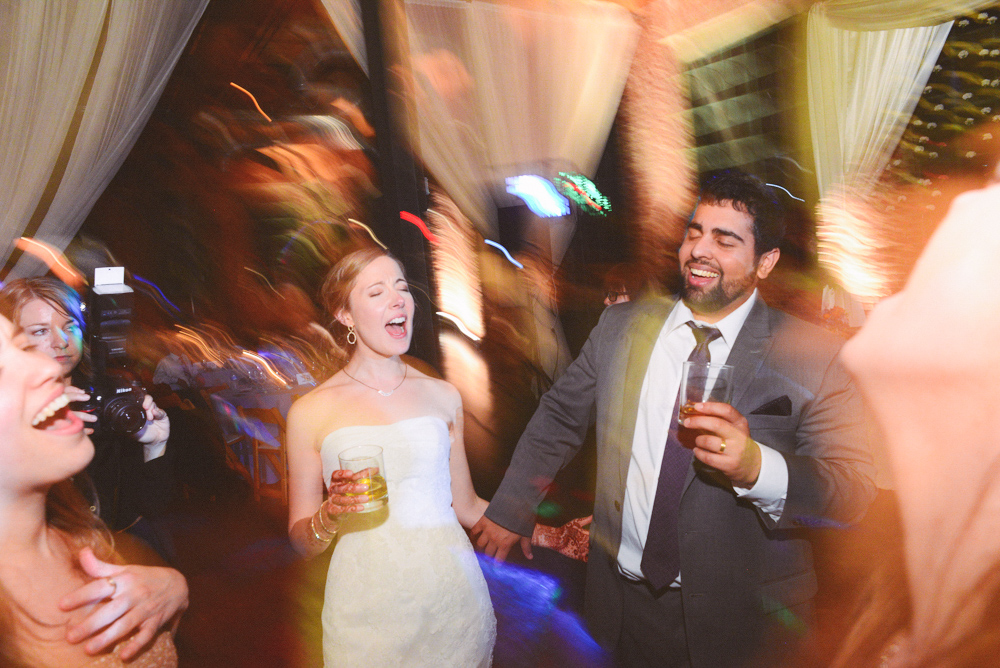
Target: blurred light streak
<point>456,265</point>
<point>586,200</point>
<point>504,251</point>
<point>539,194</point>
<point>268,367</point>
<point>187,334</point>
<point>142,280</point>
<point>252,427</point>
<point>253,271</point>
<point>583,191</point>
<point>465,368</point>
<point>443,218</point>
<point>333,130</point>
<point>461,325</point>
<point>459,295</point>
<point>252,98</point>
<point>775,185</point>
<point>847,248</point>
<point>55,260</point>
<point>369,231</point>
<point>411,218</point>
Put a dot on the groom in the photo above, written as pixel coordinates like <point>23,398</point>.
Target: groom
<point>700,561</point>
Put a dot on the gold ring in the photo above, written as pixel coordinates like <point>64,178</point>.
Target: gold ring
<point>722,447</point>
<point>114,587</point>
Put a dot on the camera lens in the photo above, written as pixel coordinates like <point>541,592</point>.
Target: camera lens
<point>123,415</point>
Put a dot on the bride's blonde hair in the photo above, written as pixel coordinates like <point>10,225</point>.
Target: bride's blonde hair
<point>335,293</point>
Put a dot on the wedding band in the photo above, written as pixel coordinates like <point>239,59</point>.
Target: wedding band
<point>114,587</point>
<point>722,447</point>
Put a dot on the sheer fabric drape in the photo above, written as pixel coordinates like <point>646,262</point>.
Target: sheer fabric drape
<point>889,14</point>
<point>863,86</point>
<point>499,88</point>
<point>79,81</point>
<point>346,17</point>
<point>868,61</point>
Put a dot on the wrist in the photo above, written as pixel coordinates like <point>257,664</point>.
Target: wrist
<point>154,450</point>
<point>320,534</point>
<point>324,523</point>
<point>751,473</point>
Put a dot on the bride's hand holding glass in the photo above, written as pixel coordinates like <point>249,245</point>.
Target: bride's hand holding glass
<point>343,493</point>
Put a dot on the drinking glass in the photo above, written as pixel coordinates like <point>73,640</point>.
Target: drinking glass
<point>702,382</point>
<point>367,458</point>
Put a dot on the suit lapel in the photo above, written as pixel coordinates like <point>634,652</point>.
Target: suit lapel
<point>639,343</point>
<point>749,351</point>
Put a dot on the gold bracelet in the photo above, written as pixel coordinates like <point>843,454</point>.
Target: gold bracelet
<point>322,522</point>
<point>312,526</point>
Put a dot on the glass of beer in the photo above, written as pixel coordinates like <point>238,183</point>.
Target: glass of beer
<point>701,382</point>
<point>367,460</point>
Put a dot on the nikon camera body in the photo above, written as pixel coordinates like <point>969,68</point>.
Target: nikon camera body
<point>115,392</point>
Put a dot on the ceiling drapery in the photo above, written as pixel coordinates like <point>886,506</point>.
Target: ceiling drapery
<point>868,61</point>
<point>499,88</point>
<point>78,84</point>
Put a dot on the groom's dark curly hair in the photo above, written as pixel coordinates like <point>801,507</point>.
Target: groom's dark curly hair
<point>748,194</point>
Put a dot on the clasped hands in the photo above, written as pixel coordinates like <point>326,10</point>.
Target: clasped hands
<point>721,439</point>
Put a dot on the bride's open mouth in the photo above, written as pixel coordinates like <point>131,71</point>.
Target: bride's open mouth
<point>397,327</point>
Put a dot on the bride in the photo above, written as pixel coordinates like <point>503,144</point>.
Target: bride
<point>404,585</point>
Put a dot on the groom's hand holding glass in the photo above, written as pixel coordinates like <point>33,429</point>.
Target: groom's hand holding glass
<point>724,442</point>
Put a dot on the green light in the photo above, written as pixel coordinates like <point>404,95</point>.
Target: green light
<point>582,190</point>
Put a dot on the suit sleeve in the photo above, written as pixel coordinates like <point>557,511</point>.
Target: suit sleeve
<point>831,470</point>
<point>552,438</point>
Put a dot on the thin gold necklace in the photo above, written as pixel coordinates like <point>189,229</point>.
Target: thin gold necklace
<point>382,393</point>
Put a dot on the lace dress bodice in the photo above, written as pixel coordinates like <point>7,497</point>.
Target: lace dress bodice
<point>404,586</point>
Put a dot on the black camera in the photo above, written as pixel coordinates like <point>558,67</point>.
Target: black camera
<point>115,392</point>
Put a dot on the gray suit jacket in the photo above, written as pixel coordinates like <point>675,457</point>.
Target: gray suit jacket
<point>743,574</point>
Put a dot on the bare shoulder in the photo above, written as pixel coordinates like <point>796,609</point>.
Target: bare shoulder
<point>311,413</point>
<point>440,394</point>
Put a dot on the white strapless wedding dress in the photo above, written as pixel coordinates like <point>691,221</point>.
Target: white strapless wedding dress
<point>404,586</point>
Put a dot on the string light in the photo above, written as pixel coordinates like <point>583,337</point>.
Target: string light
<point>504,251</point>
<point>252,98</point>
<point>458,323</point>
<point>411,218</point>
<point>583,191</point>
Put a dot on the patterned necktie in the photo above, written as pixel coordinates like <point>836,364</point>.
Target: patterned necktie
<point>661,554</point>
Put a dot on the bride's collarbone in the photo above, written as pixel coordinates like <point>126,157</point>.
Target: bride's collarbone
<point>381,419</point>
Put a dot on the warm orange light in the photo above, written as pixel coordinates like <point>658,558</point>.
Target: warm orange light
<point>55,260</point>
<point>252,98</point>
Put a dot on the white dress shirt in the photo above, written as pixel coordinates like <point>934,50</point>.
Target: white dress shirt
<point>652,424</point>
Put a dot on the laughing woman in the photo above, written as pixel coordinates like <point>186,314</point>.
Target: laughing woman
<point>64,601</point>
<point>404,586</point>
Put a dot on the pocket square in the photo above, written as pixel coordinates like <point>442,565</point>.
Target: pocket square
<point>781,406</point>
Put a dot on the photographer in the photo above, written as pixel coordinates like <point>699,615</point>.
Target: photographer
<point>131,475</point>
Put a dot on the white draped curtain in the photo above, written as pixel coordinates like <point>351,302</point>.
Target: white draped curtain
<point>868,61</point>
<point>503,87</point>
<point>78,81</point>
<point>346,17</point>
